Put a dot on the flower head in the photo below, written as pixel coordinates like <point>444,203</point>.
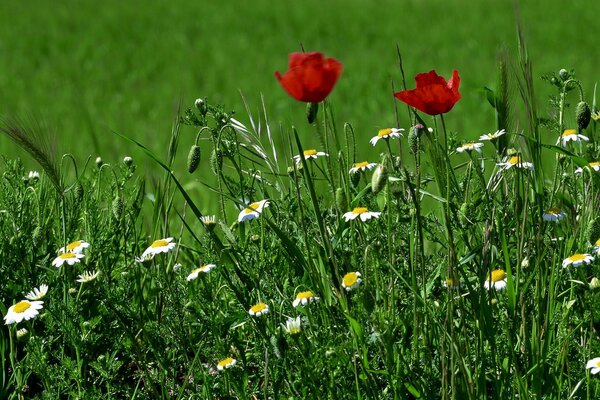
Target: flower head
<point>492,136</point>
<point>87,276</point>
<point>553,214</point>
<point>293,326</point>
<point>158,246</point>
<point>577,259</point>
<point>226,363</point>
<point>74,247</point>
<point>496,280</point>
<point>597,247</point>
<point>596,116</point>
<point>452,283</point>
<point>594,364</point>
<point>361,212</point>
<point>37,293</point>
<point>351,281</point>
<point>571,135</point>
<point>205,269</point>
<point>362,167</point>
<point>595,165</point>
<point>209,220</point>
<point>470,147</point>
<point>258,309</point>
<point>308,154</point>
<point>69,258</point>
<point>303,298</point>
<point>386,134</point>
<point>515,161</point>
<point>433,94</point>
<point>23,310</point>
<point>310,76</point>
<point>253,210</point>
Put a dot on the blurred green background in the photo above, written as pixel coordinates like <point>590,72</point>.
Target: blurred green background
<point>88,68</point>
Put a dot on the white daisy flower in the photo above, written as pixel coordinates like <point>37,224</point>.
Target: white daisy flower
<point>594,364</point>
<point>258,309</point>
<point>492,136</point>
<point>553,214</point>
<point>470,147</point>
<point>69,258</point>
<point>577,259</point>
<point>253,210</point>
<point>303,298</point>
<point>158,246</point>
<point>361,212</point>
<point>351,281</point>
<point>33,175</point>
<point>362,167</point>
<point>226,363</point>
<point>293,326</point>
<point>515,161</point>
<point>595,165</point>
<point>23,310</point>
<point>571,135</point>
<point>37,293</point>
<point>308,154</point>
<point>496,280</point>
<point>87,276</point>
<point>205,269</point>
<point>387,134</point>
<point>74,247</point>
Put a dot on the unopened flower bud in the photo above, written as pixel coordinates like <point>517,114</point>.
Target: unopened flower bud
<point>379,178</point>
<point>311,112</point>
<point>525,262</point>
<point>128,161</point>
<point>583,115</point>
<point>564,74</point>
<point>193,159</point>
<point>22,334</point>
<point>98,162</point>
<point>594,283</point>
<point>201,106</point>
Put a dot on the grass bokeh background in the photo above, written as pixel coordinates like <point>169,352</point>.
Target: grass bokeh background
<point>89,68</point>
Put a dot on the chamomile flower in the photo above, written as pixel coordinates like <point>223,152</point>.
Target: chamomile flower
<point>205,269</point>
<point>571,135</point>
<point>303,298</point>
<point>597,247</point>
<point>226,363</point>
<point>495,280</point>
<point>69,258</point>
<point>387,134</point>
<point>492,136</point>
<point>594,364</point>
<point>37,293</point>
<point>351,281</point>
<point>158,246</point>
<point>470,147</point>
<point>577,259</point>
<point>308,154</point>
<point>74,247</point>
<point>258,309</point>
<point>553,214</point>
<point>87,277</point>
<point>253,210</point>
<point>451,283</point>
<point>209,220</point>
<point>596,116</point>
<point>293,326</point>
<point>22,333</point>
<point>595,165</point>
<point>362,167</point>
<point>361,212</point>
<point>515,161</point>
<point>23,310</point>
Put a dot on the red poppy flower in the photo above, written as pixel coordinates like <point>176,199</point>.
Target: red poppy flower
<point>310,76</point>
<point>433,94</point>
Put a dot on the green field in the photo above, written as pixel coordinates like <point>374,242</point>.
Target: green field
<point>89,69</point>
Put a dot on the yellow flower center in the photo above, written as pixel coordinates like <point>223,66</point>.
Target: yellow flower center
<point>64,256</point>
<point>569,132</point>
<point>577,257</point>
<point>595,164</point>
<point>361,164</point>
<point>252,207</point>
<point>597,364</point>
<point>514,160</point>
<point>350,279</point>
<point>225,362</point>
<point>497,275</point>
<point>305,295</point>
<point>22,306</point>
<point>553,211</point>
<point>74,245</point>
<point>360,210</point>
<point>311,152</point>
<point>258,308</point>
<point>598,242</point>
<point>384,132</point>
<point>469,145</point>
<point>159,243</point>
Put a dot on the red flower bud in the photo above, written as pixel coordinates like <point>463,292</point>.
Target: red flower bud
<point>433,94</point>
<point>310,76</point>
